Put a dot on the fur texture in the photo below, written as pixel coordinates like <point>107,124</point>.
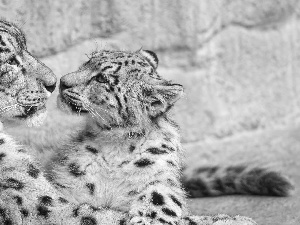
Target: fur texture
<point>123,168</point>
<point>26,197</point>
<point>128,156</point>
<point>232,180</point>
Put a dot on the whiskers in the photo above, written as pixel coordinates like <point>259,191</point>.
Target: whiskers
<point>98,112</point>
<point>7,108</point>
<point>92,111</point>
<point>95,113</point>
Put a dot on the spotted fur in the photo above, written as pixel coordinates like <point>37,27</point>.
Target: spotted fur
<point>26,197</point>
<point>128,156</point>
<point>240,179</point>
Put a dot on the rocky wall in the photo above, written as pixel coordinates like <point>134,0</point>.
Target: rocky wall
<point>238,59</point>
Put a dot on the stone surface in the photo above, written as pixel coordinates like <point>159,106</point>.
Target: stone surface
<point>276,149</point>
<point>257,14</point>
<point>49,25</point>
<point>251,81</point>
<point>169,25</point>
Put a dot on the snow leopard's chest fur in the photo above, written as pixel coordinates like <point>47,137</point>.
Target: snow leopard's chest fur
<point>109,174</point>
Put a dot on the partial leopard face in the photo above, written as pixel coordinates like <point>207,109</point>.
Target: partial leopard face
<point>25,82</point>
<point>119,89</point>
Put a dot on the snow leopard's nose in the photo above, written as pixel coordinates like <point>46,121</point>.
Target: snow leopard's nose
<point>38,70</point>
<point>63,86</point>
<point>50,88</point>
<point>73,79</point>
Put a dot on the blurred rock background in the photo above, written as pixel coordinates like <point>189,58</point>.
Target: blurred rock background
<point>237,59</point>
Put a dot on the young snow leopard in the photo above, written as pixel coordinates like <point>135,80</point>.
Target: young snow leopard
<point>128,157</point>
<point>26,197</point>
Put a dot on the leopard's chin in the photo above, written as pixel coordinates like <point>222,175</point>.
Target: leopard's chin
<point>32,118</point>
<point>30,111</point>
<point>37,119</point>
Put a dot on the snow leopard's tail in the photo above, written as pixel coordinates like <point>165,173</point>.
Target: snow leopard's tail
<point>217,219</point>
<point>214,181</point>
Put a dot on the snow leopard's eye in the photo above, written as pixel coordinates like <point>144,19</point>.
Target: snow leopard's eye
<point>13,61</point>
<point>100,78</point>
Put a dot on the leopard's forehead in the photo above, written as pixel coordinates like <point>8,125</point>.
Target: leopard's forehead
<point>122,64</point>
<point>113,57</point>
<point>14,32</point>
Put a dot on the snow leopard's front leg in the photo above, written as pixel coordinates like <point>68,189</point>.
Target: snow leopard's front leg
<point>158,204</point>
<point>160,200</point>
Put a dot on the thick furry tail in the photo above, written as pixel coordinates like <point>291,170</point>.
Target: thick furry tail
<point>214,181</point>
<point>221,219</point>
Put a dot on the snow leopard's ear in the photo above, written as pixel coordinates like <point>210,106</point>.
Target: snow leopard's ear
<point>170,92</point>
<point>163,98</point>
<point>150,56</point>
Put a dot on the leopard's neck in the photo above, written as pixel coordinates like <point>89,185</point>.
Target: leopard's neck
<point>92,131</point>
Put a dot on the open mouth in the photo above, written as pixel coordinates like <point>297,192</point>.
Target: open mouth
<point>74,103</point>
<point>77,108</point>
<point>30,111</point>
